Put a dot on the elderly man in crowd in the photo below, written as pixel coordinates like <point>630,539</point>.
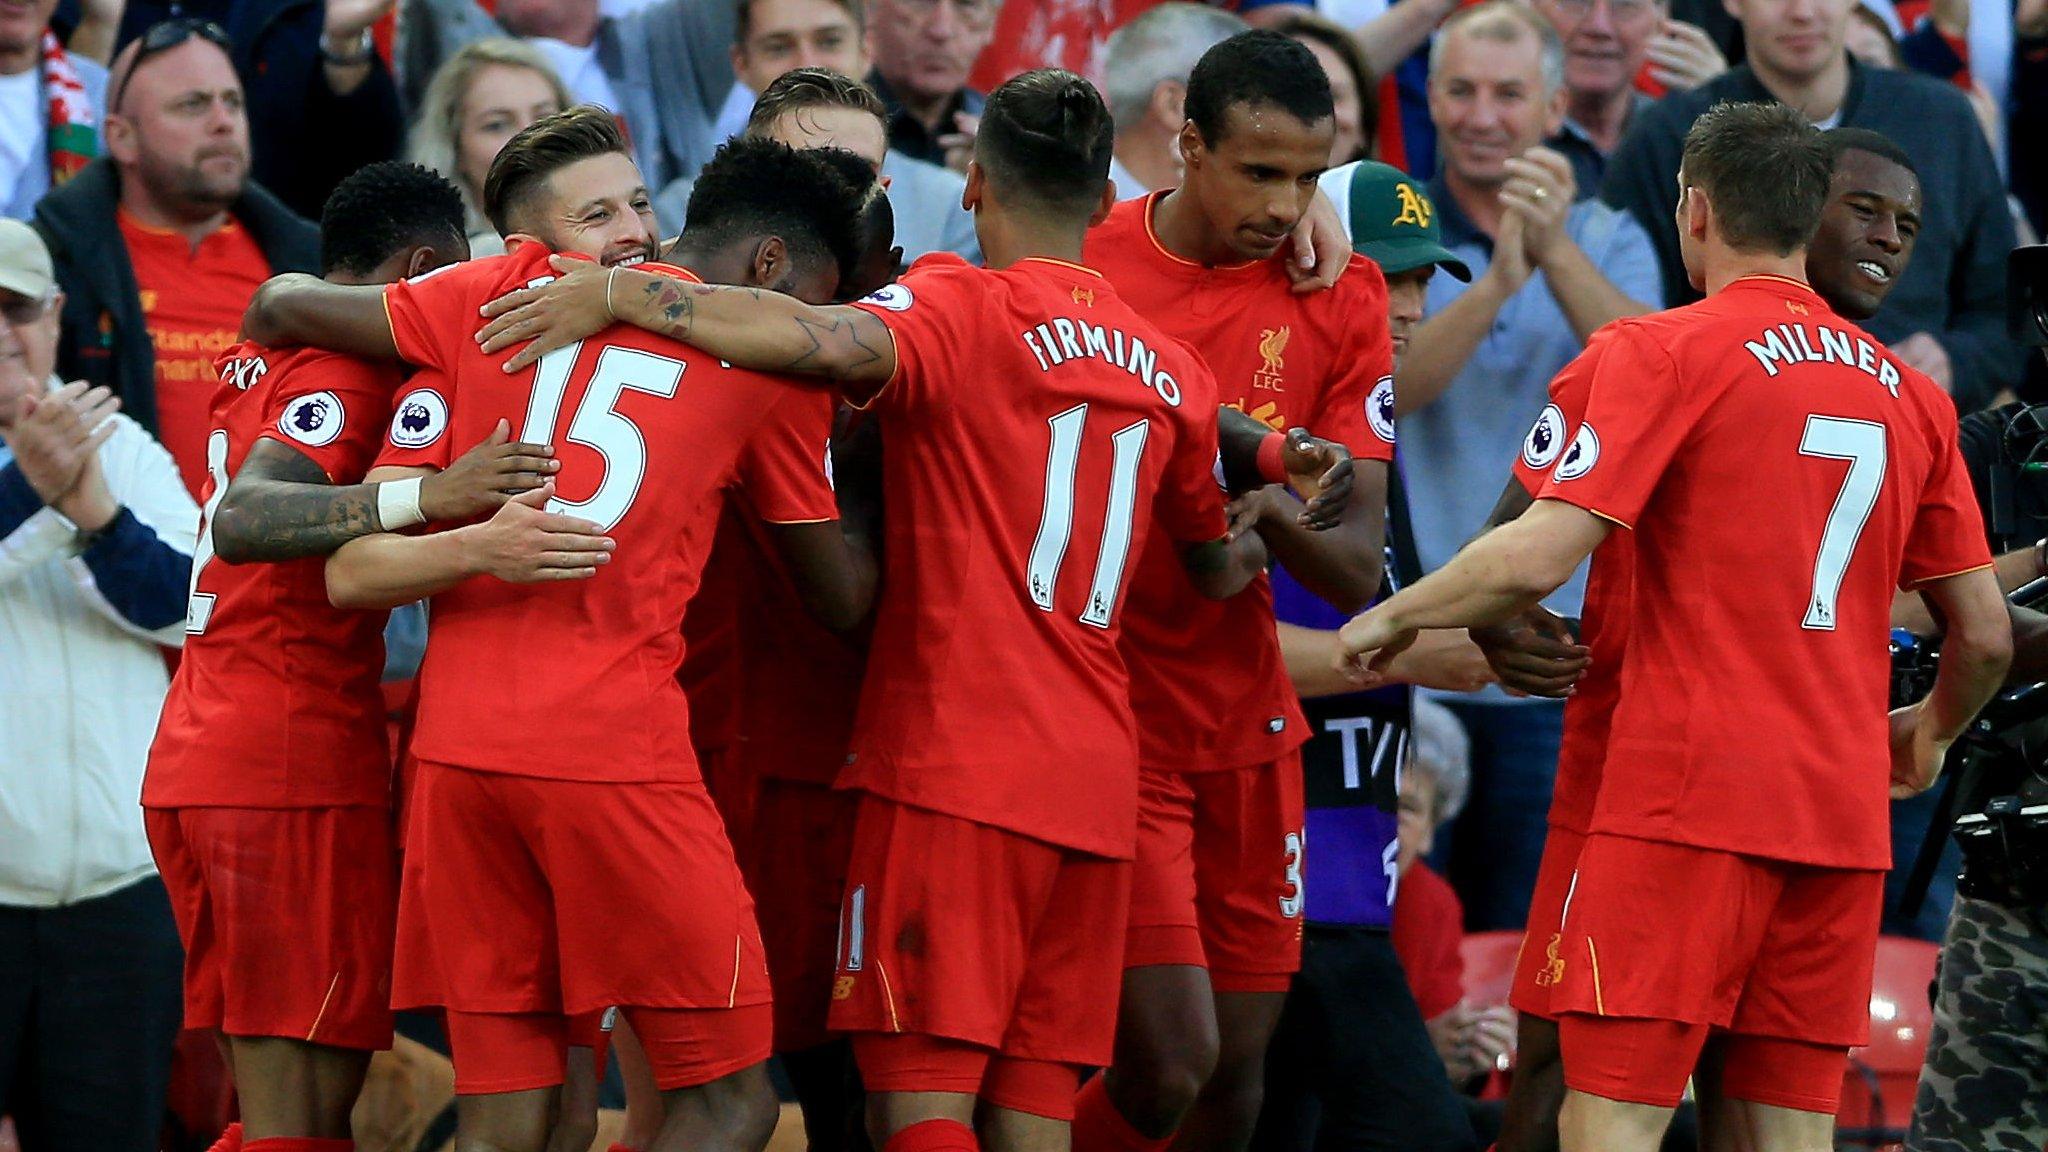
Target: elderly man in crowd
<point>96,540</point>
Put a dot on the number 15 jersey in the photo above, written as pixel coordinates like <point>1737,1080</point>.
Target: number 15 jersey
<point>1035,428</point>
<point>572,680</point>
<point>1783,473</point>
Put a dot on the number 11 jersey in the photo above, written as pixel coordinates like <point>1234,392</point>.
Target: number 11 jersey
<point>1783,473</point>
<point>1034,431</point>
<point>572,680</point>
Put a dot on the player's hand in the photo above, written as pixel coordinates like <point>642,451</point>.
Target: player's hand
<point>1539,189</point>
<point>57,433</point>
<point>1534,654</point>
<point>1367,645</point>
<point>1444,659</point>
<point>1319,471</point>
<point>1916,755</point>
<point>1683,56</point>
<point>1925,353</point>
<point>522,543</point>
<point>1321,249</point>
<point>1248,509</point>
<point>569,308</point>
<point>486,476</point>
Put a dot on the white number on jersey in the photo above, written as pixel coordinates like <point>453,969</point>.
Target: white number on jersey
<point>1056,521</point>
<point>596,425</point>
<point>1861,443</point>
<point>199,605</point>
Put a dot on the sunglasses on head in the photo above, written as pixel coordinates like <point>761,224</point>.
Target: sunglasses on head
<point>166,35</point>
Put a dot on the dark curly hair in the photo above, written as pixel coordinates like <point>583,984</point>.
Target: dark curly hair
<point>382,209</point>
<point>1257,67</point>
<point>754,186</point>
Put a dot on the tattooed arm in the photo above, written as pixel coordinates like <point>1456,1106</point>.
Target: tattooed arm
<point>748,327</point>
<point>281,506</point>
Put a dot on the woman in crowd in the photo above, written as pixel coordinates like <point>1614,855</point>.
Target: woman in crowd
<point>477,100</point>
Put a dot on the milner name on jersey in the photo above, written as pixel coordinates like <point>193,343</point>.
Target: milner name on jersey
<point>1060,340</point>
<point>1785,344</point>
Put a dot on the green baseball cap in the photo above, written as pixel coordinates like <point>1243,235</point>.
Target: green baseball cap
<point>1390,218</point>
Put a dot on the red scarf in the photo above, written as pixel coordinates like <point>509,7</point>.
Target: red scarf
<point>74,131</point>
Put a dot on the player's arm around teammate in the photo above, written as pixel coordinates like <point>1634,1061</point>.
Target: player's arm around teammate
<point>752,328</point>
<point>281,505</point>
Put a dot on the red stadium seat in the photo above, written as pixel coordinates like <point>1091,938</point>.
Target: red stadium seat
<point>1489,966</point>
<point>1877,1091</point>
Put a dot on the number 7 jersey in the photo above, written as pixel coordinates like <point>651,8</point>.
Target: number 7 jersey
<point>1035,430</point>
<point>1783,474</point>
<point>572,680</point>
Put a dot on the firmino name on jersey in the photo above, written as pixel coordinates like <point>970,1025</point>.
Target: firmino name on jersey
<point>1785,344</point>
<point>1059,340</point>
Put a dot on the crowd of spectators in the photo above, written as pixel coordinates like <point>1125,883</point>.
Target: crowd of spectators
<point>169,157</point>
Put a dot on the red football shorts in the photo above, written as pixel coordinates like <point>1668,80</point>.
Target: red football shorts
<point>1540,964</point>
<point>967,932</point>
<point>286,915</point>
<point>803,836</point>
<point>530,896</point>
<point>1218,875</point>
<point>1666,933</point>
<point>516,1052</point>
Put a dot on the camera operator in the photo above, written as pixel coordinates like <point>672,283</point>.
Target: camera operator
<point>1985,1083</point>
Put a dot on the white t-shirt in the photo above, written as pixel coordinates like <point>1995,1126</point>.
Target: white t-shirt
<point>21,128</point>
<point>579,69</point>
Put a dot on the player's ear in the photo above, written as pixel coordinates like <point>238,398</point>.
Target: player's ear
<point>423,258</point>
<point>770,263</point>
<point>1698,211</point>
<point>1191,144</point>
<point>977,184</point>
<point>1108,201</point>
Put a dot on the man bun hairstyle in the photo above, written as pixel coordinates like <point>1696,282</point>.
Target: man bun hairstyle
<point>1764,169</point>
<point>383,209</point>
<point>1045,140</point>
<point>1255,68</point>
<point>754,187</point>
<point>541,149</point>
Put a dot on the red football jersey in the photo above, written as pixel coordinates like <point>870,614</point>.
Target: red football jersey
<point>1207,680</point>
<point>784,477</point>
<point>1603,621</point>
<point>276,701</point>
<point>1782,474</point>
<point>573,680</point>
<point>1035,427</point>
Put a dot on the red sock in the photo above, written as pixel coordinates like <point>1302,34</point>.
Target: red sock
<point>230,1139</point>
<point>298,1144</point>
<point>934,1136</point>
<point>1099,1127</point>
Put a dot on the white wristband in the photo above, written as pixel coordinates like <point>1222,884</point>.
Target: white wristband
<point>398,504</point>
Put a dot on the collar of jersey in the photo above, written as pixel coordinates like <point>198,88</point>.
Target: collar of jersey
<point>1762,278</point>
<point>1059,263</point>
<point>1152,202</point>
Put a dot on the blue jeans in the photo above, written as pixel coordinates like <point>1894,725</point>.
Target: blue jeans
<point>1909,828</point>
<point>1491,851</point>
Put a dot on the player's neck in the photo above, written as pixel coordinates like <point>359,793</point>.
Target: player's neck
<point>1182,230</point>
<point>1007,238</point>
<point>1816,97</point>
<point>1725,266</point>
